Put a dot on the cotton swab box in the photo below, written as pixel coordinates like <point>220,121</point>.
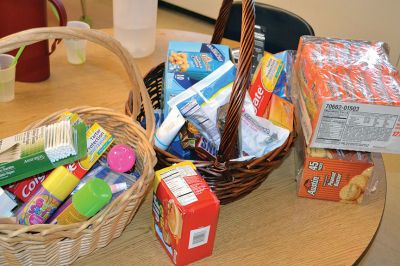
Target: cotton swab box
<point>59,141</point>
<point>41,149</point>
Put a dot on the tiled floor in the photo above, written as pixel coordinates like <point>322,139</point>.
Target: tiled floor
<point>385,249</point>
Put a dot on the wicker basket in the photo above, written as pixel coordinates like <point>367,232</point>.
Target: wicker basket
<point>62,244</point>
<point>229,180</point>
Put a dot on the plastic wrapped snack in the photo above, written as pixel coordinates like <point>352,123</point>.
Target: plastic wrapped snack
<point>335,175</point>
<point>348,95</point>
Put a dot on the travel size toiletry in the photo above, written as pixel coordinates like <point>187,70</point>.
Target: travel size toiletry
<point>53,191</point>
<point>85,203</point>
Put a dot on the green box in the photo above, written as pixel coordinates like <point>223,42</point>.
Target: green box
<point>32,158</point>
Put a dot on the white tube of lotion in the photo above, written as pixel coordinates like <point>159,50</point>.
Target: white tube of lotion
<point>166,133</point>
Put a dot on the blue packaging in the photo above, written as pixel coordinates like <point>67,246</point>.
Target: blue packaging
<point>176,149</point>
<point>283,86</point>
<point>159,117</point>
<point>195,65</point>
<point>177,82</point>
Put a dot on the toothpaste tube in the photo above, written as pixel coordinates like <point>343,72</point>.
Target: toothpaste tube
<point>98,141</point>
<point>25,188</point>
<point>264,82</point>
<point>204,90</point>
<point>166,133</point>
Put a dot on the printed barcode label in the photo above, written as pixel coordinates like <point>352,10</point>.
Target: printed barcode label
<point>354,126</point>
<point>199,237</point>
<point>174,179</point>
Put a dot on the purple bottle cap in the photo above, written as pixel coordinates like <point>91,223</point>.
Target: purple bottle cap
<point>121,158</point>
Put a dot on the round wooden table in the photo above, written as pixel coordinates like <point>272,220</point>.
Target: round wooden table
<point>269,226</point>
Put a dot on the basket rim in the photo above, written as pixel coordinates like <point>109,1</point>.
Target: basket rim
<point>138,89</point>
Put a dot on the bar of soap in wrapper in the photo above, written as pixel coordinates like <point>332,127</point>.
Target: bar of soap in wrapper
<point>348,95</point>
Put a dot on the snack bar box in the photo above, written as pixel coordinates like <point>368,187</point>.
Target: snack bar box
<point>185,213</point>
<point>348,95</point>
<point>177,82</point>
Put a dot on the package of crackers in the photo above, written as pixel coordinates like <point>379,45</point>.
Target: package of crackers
<point>348,94</point>
<point>335,175</point>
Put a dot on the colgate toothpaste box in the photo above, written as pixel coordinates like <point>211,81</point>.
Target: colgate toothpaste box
<point>185,213</point>
<point>27,187</point>
<point>264,81</point>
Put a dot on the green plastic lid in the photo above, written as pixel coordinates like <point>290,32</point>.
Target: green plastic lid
<point>92,197</point>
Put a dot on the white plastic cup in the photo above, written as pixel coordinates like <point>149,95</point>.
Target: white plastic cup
<point>76,49</point>
<point>135,25</point>
<point>7,78</point>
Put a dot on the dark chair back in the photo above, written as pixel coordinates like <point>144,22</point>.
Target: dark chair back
<point>283,28</point>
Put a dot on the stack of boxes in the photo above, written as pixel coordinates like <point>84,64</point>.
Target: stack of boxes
<point>347,98</point>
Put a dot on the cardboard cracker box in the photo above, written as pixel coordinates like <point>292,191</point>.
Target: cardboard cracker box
<point>348,95</point>
<point>185,213</point>
<point>176,82</point>
<point>335,175</point>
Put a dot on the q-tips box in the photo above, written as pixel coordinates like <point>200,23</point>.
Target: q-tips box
<point>41,149</point>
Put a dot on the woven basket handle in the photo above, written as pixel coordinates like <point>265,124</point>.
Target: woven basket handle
<point>139,91</point>
<point>242,81</point>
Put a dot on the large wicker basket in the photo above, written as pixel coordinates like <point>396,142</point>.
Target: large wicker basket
<point>62,244</point>
<point>229,180</point>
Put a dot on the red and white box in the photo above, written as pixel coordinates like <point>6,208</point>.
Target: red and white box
<point>185,213</point>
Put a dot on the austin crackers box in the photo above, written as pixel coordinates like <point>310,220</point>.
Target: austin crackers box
<point>335,175</point>
<point>185,213</point>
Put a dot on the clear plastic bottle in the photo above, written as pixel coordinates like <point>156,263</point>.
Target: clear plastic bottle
<point>135,25</point>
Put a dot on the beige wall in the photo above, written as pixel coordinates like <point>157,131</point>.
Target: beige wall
<point>356,19</point>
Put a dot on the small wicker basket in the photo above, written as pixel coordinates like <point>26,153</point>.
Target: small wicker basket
<point>228,179</point>
<point>46,244</point>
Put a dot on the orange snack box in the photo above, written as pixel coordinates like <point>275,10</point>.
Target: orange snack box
<point>335,175</point>
<point>185,213</point>
<point>348,95</point>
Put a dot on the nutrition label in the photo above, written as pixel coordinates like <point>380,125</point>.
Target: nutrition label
<point>356,126</point>
<point>174,179</point>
